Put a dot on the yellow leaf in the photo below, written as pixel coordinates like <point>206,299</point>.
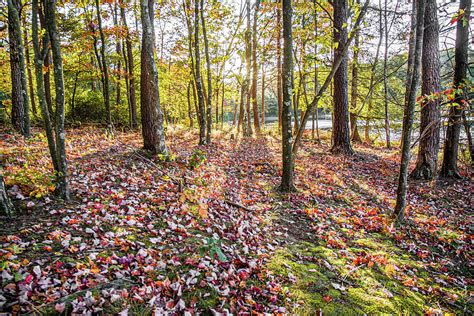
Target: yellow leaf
<point>389,269</point>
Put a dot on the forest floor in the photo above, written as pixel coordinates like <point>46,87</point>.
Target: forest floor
<point>207,231</point>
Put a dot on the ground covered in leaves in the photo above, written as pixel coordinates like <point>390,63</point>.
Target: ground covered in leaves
<point>206,231</point>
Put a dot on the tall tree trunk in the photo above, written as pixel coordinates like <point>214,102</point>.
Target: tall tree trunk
<point>131,77</point>
<point>408,115</point>
<point>20,103</point>
<point>248,56</point>
<point>341,142</point>
<point>39,57</point>
<point>73,98</point>
<point>355,137</point>
<point>118,50</point>
<point>62,186</point>
<point>6,206</point>
<point>279,75</point>
<point>315,112</point>
<point>197,71</point>
<point>190,112</point>
<point>28,68</point>
<point>372,77</point>
<point>209,76</point>
<point>152,116</point>
<point>256,121</point>
<point>287,182</point>
<point>385,82</point>
<point>449,167</point>
<point>262,105</point>
<point>47,68</point>
<point>427,160</point>
<point>104,69</point>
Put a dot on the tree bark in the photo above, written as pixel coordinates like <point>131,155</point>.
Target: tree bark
<point>256,121</point>
<point>197,71</point>
<point>104,69</point>
<point>30,75</point>
<point>449,167</point>
<point>399,212</point>
<point>152,116</point>
<point>248,56</point>
<point>287,181</point>
<point>427,159</point>
<point>6,206</point>
<point>20,114</point>
<point>209,77</point>
<point>385,82</point>
<point>341,143</point>
<point>279,74</point>
<point>355,137</point>
<point>62,186</point>
<point>131,77</point>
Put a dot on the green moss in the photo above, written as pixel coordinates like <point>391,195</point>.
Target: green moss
<point>327,281</point>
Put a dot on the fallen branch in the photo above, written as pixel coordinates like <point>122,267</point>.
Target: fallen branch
<point>238,205</point>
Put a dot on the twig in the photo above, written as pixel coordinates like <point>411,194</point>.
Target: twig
<point>238,205</point>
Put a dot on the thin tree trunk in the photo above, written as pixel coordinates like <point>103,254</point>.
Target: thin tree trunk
<point>279,75</point>
<point>408,116</point>
<point>355,137</point>
<point>30,75</point>
<point>199,87</point>
<point>118,50</point>
<point>104,70</point>
<point>287,182</point>
<point>315,112</point>
<point>190,113</point>
<point>385,82</point>
<point>152,116</point>
<point>248,56</point>
<point>449,167</point>
<point>131,77</point>
<point>209,76</point>
<point>47,70</point>
<point>62,186</point>
<point>39,57</point>
<point>73,98</point>
<point>262,110</point>
<point>341,142</point>
<point>256,121</point>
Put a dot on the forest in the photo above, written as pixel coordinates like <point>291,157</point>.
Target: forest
<point>236,157</point>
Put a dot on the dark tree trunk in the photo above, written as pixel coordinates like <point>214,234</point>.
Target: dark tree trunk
<point>118,50</point>
<point>355,137</point>
<point>131,77</point>
<point>62,187</point>
<point>287,183</point>
<point>197,71</point>
<point>408,115</point>
<point>449,167</point>
<point>278,51</point>
<point>20,104</point>
<point>256,121</point>
<point>341,142</point>
<point>209,76</point>
<point>39,57</point>
<point>152,116</point>
<point>385,78</point>
<point>6,206</point>
<point>190,112</point>
<point>315,113</point>
<point>30,75</point>
<point>73,98</point>
<point>248,56</point>
<point>104,69</point>
<point>47,68</point>
<point>427,160</point>
<point>262,109</point>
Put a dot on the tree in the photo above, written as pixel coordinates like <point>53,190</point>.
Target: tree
<point>152,116</point>
<point>198,80</point>
<point>209,76</point>
<point>385,77</point>
<point>341,142</point>
<point>256,122</point>
<point>355,137</point>
<point>103,67</point>
<point>409,115</point>
<point>248,61</point>
<point>20,104</point>
<point>449,167</point>
<point>427,159</point>
<point>278,52</point>
<point>130,75</point>
<point>287,184</point>
<point>62,186</point>
<point>6,206</point>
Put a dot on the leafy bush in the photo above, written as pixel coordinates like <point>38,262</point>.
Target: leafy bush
<point>197,158</point>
